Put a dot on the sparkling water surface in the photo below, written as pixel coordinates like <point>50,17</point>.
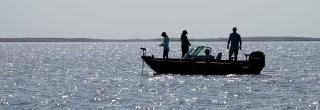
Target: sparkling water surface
<point>107,75</point>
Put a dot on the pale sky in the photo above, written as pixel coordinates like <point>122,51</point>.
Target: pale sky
<point>122,19</point>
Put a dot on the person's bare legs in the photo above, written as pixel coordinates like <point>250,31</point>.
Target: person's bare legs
<point>230,53</point>
<point>235,54</point>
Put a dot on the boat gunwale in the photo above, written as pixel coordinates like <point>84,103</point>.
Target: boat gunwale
<point>239,62</point>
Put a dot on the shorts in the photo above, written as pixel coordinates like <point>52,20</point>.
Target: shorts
<point>233,50</point>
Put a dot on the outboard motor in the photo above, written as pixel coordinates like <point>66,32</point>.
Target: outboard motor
<point>256,61</point>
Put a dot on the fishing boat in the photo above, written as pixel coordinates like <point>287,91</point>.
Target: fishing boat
<point>193,64</point>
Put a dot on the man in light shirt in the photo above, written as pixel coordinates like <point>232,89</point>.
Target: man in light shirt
<point>165,45</point>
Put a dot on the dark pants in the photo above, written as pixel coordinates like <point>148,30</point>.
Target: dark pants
<point>185,49</point>
<point>165,53</point>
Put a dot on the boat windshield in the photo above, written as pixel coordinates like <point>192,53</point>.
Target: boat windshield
<point>199,51</point>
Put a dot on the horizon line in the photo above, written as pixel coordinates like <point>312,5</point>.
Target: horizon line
<point>99,38</point>
<point>155,39</point>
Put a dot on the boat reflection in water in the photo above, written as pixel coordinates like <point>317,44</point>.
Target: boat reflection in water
<point>192,64</point>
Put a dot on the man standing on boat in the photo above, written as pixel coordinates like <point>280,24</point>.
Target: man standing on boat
<point>184,43</point>
<point>165,45</point>
<point>235,40</point>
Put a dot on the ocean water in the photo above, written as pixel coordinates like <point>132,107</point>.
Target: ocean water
<point>107,75</point>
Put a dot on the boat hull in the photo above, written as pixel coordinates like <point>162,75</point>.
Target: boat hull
<point>189,67</point>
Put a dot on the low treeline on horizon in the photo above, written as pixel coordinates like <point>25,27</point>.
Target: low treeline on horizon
<point>153,40</point>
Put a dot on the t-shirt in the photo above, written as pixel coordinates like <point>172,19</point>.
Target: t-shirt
<point>184,41</point>
<point>235,39</point>
<point>166,43</point>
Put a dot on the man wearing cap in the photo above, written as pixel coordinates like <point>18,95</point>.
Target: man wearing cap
<point>235,40</point>
<point>165,45</point>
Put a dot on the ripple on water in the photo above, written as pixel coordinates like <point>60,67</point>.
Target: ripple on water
<point>108,75</point>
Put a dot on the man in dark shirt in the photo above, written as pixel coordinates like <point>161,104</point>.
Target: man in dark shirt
<point>235,40</point>
<point>184,43</point>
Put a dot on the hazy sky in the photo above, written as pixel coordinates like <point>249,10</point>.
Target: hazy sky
<point>121,19</point>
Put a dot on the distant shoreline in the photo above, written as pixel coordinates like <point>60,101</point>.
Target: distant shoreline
<point>154,40</point>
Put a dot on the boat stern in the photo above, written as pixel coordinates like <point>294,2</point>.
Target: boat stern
<point>256,62</point>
